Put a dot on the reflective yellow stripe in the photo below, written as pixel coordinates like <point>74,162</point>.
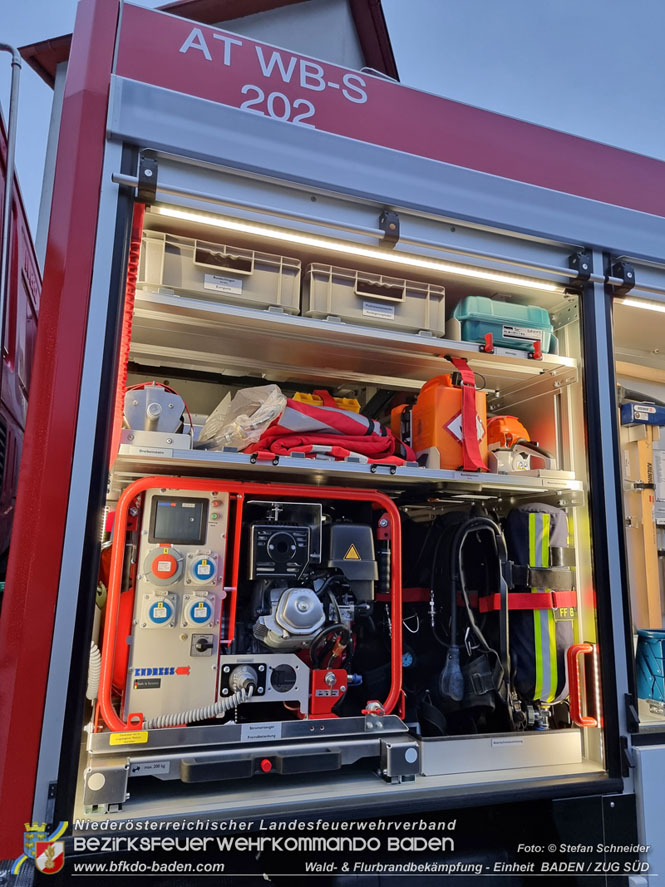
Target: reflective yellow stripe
<point>536,615</point>
<point>551,625</point>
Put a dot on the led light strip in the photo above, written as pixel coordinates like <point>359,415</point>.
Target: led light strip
<point>351,249</point>
<point>639,303</point>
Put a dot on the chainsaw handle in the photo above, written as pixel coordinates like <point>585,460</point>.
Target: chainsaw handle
<point>532,447</point>
<point>572,660</point>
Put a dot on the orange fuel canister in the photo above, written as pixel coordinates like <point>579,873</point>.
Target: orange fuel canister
<point>437,427</point>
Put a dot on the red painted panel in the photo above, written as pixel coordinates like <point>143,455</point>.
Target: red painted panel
<point>26,625</point>
<point>176,54</point>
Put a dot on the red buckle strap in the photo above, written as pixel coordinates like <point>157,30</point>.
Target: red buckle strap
<point>327,399</point>
<point>539,600</point>
<point>473,461</point>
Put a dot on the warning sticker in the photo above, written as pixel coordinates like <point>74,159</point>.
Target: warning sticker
<point>131,737</point>
<point>455,428</point>
<point>220,284</point>
<point>352,554</point>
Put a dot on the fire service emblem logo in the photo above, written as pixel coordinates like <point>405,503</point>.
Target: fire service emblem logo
<point>50,856</point>
<point>47,851</point>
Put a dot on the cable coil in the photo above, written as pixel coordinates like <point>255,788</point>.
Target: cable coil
<point>200,714</point>
<point>94,670</point>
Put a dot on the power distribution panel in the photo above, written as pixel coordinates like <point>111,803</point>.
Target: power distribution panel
<point>177,609</point>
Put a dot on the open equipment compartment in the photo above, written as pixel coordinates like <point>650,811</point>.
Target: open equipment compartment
<point>210,677</point>
<point>639,330</point>
<point>339,196</point>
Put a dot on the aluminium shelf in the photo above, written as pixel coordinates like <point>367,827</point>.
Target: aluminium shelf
<point>201,335</point>
<point>135,461</point>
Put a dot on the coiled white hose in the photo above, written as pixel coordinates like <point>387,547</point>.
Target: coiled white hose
<point>200,714</point>
<point>94,671</point>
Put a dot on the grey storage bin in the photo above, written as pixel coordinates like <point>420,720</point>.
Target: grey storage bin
<point>214,271</point>
<point>374,299</point>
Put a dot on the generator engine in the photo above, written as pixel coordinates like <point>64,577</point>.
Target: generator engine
<point>296,615</point>
<point>285,548</point>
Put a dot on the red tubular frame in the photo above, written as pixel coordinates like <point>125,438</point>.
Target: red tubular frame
<point>109,715</point>
<point>233,588</point>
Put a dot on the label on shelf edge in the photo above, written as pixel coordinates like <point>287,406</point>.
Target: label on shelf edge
<point>522,332</point>
<point>374,309</point>
<point>220,284</point>
<point>259,732</point>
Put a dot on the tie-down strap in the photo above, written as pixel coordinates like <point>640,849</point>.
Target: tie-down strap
<point>539,600</point>
<point>473,461</point>
<point>551,578</point>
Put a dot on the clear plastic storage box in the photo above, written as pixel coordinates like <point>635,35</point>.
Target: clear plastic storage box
<point>219,272</point>
<point>374,299</point>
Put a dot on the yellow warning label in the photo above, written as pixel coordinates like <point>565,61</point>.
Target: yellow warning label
<point>352,554</point>
<point>160,605</point>
<point>204,563</point>
<point>166,549</point>
<point>131,737</point>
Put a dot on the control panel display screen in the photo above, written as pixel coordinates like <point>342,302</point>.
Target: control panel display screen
<point>178,520</point>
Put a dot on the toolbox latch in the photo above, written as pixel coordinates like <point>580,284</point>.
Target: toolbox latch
<point>389,224</point>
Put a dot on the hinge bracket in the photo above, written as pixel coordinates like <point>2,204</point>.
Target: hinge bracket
<point>632,717</point>
<point>627,758</point>
<point>582,262</point>
<point>626,272</point>
<point>389,224</point>
<point>147,184</point>
<point>50,801</point>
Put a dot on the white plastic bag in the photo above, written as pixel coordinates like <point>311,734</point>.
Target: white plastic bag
<point>241,421</point>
